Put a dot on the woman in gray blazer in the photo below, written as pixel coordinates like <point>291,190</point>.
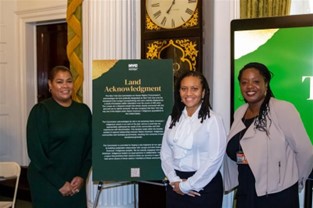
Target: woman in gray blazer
<point>269,153</point>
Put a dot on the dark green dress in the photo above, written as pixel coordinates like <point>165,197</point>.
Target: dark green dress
<point>59,147</point>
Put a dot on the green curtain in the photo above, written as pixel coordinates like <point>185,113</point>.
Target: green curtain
<point>264,8</point>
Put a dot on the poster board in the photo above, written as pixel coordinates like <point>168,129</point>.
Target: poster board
<point>285,46</point>
<point>131,102</point>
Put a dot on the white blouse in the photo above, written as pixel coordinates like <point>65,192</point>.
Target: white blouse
<point>193,146</point>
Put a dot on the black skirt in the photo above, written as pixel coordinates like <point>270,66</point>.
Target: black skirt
<point>211,195</point>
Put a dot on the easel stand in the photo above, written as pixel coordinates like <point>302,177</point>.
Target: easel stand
<point>308,193</point>
<point>100,188</point>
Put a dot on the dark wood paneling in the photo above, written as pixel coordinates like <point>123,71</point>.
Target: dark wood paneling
<point>51,51</point>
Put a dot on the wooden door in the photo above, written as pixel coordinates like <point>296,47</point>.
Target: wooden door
<point>51,51</point>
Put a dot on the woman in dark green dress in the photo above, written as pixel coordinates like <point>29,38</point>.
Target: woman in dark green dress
<point>59,146</point>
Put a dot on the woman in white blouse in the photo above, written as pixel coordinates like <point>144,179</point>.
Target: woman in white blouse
<point>193,147</point>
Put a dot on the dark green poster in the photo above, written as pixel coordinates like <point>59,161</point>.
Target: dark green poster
<point>131,102</point>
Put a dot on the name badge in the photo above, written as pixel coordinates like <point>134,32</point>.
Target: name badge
<point>241,159</point>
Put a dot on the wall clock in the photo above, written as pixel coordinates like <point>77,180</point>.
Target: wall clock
<point>172,29</point>
<point>172,13</point>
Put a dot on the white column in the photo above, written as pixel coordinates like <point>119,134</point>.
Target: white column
<point>111,30</point>
<point>224,12</point>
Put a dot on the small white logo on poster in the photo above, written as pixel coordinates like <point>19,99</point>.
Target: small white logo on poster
<point>135,172</point>
<point>132,67</point>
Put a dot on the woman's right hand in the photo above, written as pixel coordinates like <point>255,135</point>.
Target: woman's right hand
<point>176,188</point>
<point>66,189</point>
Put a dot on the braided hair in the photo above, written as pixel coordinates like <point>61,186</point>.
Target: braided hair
<point>179,106</point>
<point>261,122</point>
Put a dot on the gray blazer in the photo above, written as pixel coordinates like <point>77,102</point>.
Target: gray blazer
<point>278,160</point>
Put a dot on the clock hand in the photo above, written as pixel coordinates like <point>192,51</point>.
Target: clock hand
<point>169,9</point>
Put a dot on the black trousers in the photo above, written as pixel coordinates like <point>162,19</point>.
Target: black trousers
<point>211,195</point>
<point>288,198</point>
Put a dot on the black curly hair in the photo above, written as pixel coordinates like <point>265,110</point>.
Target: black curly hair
<point>179,106</point>
<point>261,122</point>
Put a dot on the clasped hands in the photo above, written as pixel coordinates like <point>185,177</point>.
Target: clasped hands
<point>175,186</point>
<point>73,187</point>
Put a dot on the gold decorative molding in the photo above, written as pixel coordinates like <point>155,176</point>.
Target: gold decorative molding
<point>150,25</point>
<point>187,47</point>
<point>193,21</point>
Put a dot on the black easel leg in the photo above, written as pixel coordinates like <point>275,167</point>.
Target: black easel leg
<point>95,204</point>
<point>308,194</point>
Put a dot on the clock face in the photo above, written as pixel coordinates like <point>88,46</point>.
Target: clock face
<point>170,14</point>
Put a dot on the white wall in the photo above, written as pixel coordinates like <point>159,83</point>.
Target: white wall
<point>301,7</point>
<point>27,5</point>
<point>11,137</point>
<point>18,19</point>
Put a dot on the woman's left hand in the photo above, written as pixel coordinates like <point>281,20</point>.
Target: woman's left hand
<point>77,183</point>
<point>175,186</point>
<point>193,193</point>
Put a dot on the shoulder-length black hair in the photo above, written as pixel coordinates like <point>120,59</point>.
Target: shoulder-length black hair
<point>261,122</point>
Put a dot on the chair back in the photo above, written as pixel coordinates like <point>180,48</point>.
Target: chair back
<point>8,171</point>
